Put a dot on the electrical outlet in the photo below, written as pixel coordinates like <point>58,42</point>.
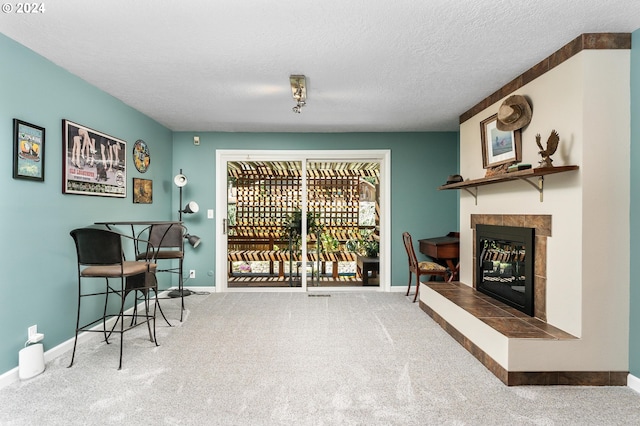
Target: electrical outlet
<point>196,140</point>
<point>33,335</point>
<point>192,273</point>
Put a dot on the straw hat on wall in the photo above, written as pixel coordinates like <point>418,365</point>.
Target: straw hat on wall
<point>514,113</point>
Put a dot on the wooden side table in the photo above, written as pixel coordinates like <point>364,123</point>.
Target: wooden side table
<point>444,250</point>
<point>366,265</point>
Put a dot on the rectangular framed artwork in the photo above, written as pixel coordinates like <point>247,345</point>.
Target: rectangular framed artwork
<point>93,163</point>
<point>142,191</point>
<point>499,147</point>
<point>28,151</point>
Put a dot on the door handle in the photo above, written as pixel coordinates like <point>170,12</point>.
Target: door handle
<point>224,226</point>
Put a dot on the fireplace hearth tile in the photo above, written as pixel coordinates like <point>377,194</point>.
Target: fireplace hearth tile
<point>513,327</point>
<point>553,331</point>
<point>513,311</point>
<point>480,308</point>
<point>503,318</point>
<point>516,328</point>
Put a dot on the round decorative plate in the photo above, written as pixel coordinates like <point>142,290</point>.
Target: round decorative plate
<point>141,156</point>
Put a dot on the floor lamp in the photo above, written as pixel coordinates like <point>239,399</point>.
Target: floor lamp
<point>192,207</point>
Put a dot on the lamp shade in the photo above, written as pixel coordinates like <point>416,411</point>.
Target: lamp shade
<point>180,180</point>
<point>194,240</point>
<point>192,207</point>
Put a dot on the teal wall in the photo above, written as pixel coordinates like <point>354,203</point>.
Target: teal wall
<point>420,162</point>
<point>634,320</point>
<point>38,283</point>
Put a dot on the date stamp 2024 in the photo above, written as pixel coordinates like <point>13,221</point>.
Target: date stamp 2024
<point>23,8</point>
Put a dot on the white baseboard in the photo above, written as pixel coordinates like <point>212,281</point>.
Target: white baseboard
<point>633,382</point>
<point>11,376</point>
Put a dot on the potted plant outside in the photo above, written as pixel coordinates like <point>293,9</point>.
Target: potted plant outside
<point>293,229</point>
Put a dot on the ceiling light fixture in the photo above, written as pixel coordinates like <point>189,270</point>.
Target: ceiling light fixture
<point>299,91</point>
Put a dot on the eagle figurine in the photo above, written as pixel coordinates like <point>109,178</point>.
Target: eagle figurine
<point>552,146</point>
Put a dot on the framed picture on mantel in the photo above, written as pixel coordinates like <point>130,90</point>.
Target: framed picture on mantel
<point>499,147</point>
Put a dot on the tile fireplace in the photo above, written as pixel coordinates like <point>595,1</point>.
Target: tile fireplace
<point>541,228</point>
<point>507,341</point>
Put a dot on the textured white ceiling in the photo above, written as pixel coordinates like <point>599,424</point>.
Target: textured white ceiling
<point>401,65</point>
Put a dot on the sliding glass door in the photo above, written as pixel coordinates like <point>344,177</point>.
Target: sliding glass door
<point>342,196</point>
<point>299,221</point>
<point>264,204</point>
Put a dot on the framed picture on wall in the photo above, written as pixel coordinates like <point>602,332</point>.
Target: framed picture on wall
<point>141,156</point>
<point>93,163</point>
<point>142,191</point>
<point>28,151</point>
<point>499,147</point>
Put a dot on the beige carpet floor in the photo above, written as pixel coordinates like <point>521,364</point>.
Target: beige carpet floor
<point>296,359</point>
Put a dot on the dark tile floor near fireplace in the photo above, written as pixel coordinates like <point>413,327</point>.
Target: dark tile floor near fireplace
<point>513,324</point>
<point>503,318</point>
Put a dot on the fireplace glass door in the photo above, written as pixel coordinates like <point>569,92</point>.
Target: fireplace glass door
<point>505,265</point>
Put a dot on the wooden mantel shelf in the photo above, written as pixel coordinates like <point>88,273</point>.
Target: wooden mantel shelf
<point>524,175</point>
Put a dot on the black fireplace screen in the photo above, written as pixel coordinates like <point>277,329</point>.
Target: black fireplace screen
<point>505,265</point>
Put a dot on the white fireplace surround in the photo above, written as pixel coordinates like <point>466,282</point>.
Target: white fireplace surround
<point>586,100</point>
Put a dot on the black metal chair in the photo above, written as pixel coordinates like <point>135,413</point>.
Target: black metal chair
<point>100,254</point>
<point>432,269</point>
<point>166,242</point>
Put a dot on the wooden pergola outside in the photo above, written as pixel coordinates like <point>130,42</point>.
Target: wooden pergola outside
<point>263,197</point>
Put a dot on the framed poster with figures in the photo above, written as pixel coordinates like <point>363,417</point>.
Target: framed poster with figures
<point>93,163</point>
